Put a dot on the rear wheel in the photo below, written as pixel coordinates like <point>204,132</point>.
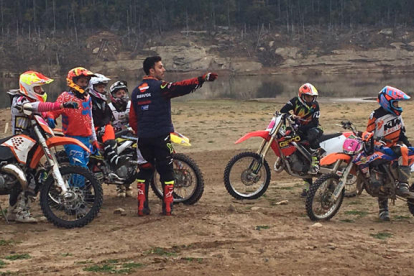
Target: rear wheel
<point>320,202</point>
<point>246,176</point>
<point>79,205</point>
<point>189,182</point>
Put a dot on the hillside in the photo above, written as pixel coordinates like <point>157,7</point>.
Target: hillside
<point>236,51</point>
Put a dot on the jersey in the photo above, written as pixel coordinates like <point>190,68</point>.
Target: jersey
<point>388,126</point>
<point>120,119</point>
<point>309,116</point>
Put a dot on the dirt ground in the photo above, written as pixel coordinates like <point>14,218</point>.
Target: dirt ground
<point>220,235</point>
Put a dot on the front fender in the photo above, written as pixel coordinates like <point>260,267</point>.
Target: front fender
<point>260,133</point>
<point>333,157</point>
<point>54,142</point>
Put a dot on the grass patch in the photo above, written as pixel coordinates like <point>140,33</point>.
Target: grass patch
<point>354,203</point>
<point>18,257</point>
<point>84,262</point>
<point>356,213</point>
<point>285,188</point>
<point>99,268</point>
<point>190,259</point>
<point>6,242</point>
<point>260,227</point>
<point>66,254</point>
<point>161,252</point>
<point>348,220</point>
<point>132,265</point>
<point>401,217</point>
<point>381,235</point>
<point>2,264</point>
<point>113,267</point>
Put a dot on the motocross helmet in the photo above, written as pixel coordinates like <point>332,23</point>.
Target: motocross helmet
<point>122,102</point>
<point>388,95</point>
<point>98,79</point>
<point>307,89</point>
<point>73,76</point>
<point>27,83</point>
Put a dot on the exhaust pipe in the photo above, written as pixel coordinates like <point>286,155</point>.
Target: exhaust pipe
<point>17,172</point>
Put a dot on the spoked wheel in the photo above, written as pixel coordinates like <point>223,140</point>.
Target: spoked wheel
<point>246,176</point>
<point>320,202</point>
<point>79,206</point>
<point>189,182</point>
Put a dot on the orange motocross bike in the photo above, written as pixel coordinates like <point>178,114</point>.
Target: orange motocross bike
<point>70,196</point>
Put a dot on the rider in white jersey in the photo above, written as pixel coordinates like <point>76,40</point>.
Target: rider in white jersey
<point>120,105</point>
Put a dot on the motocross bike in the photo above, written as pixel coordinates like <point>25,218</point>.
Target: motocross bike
<point>70,196</point>
<point>247,175</point>
<point>378,174</point>
<point>189,182</point>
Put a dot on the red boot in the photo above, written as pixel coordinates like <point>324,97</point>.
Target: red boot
<point>142,200</point>
<point>167,205</point>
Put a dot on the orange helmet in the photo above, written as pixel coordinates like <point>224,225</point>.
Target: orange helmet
<point>76,73</point>
<point>307,89</point>
<point>30,79</point>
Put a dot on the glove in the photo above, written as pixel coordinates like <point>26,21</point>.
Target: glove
<point>51,122</point>
<point>100,131</point>
<point>73,105</point>
<point>96,145</point>
<point>209,76</point>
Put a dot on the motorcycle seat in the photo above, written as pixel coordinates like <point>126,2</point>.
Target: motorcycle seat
<point>325,137</point>
<point>5,153</point>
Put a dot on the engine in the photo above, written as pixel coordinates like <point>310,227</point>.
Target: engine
<point>7,183</point>
<point>298,163</point>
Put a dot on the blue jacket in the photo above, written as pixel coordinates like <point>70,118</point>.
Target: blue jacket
<point>150,113</point>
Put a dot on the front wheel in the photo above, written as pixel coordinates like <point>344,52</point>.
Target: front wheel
<point>246,176</point>
<point>189,182</point>
<point>79,206</point>
<point>320,202</point>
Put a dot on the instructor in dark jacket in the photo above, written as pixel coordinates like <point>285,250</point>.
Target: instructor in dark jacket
<point>150,117</point>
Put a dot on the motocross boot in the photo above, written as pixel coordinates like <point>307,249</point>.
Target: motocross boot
<point>111,155</point>
<point>120,191</point>
<point>314,166</point>
<point>384,215</point>
<point>307,184</point>
<point>142,197</point>
<point>403,176</point>
<point>20,212</point>
<point>168,202</point>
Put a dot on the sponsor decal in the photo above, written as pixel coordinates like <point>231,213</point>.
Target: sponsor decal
<point>288,141</point>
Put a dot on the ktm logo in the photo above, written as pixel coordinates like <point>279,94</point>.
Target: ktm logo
<point>392,124</point>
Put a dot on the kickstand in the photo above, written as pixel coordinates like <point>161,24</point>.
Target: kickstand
<point>4,215</point>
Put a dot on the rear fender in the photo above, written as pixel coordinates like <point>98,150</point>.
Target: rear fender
<point>54,142</point>
<point>333,157</point>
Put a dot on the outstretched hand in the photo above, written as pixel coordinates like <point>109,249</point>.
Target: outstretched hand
<point>210,76</point>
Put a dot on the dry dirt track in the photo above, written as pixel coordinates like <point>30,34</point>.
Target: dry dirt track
<point>219,235</point>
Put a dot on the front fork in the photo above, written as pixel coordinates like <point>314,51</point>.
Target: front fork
<point>256,165</point>
<point>51,159</point>
<point>344,178</point>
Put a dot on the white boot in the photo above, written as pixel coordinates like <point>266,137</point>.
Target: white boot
<point>22,210</point>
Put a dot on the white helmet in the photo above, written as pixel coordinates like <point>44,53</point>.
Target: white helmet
<point>98,79</point>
